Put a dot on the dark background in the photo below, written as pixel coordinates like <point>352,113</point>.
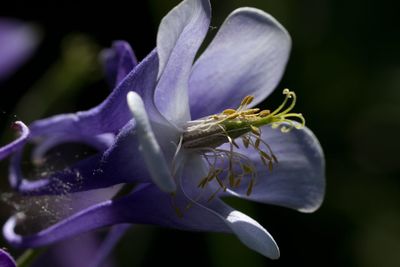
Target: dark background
<point>345,69</point>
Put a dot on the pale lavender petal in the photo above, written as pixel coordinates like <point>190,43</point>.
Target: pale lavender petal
<point>18,143</point>
<point>6,260</point>
<point>247,57</point>
<point>17,42</point>
<point>298,179</point>
<point>112,114</point>
<point>118,61</point>
<point>250,232</point>
<point>149,147</point>
<point>180,34</point>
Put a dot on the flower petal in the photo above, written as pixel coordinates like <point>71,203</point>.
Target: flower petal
<point>298,179</point>
<point>17,42</point>
<point>99,142</point>
<point>112,114</point>
<point>247,57</point>
<point>180,35</point>
<point>118,164</point>
<point>17,144</point>
<point>118,61</point>
<point>6,260</point>
<point>97,216</point>
<point>146,205</point>
<point>250,232</point>
<point>149,147</point>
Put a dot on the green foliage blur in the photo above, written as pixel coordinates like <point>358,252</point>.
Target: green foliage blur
<point>345,69</point>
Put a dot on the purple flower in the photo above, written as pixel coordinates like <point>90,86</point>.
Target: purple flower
<point>6,260</point>
<point>17,41</point>
<point>193,139</point>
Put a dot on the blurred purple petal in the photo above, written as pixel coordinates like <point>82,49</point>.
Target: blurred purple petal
<point>118,61</point>
<point>17,42</point>
<point>18,143</point>
<point>6,260</point>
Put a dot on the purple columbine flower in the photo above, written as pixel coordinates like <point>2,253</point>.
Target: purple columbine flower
<point>17,42</point>
<point>187,135</point>
<point>6,260</point>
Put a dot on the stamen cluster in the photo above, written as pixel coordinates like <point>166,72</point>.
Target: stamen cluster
<point>227,167</point>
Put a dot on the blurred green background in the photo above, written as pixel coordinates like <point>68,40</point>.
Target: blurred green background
<point>345,69</point>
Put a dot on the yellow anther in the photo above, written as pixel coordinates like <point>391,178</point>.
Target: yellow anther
<point>231,177</point>
<point>264,161</point>
<point>246,141</point>
<point>214,194</point>
<point>228,111</point>
<point>221,184</point>
<point>264,113</point>
<point>265,155</point>
<point>246,101</point>
<point>210,178</point>
<point>270,166</point>
<point>247,168</point>
<point>255,130</point>
<point>237,183</point>
<point>202,182</point>
<point>234,143</point>
<point>250,187</point>
<point>250,111</point>
<point>233,116</point>
<point>257,143</point>
<point>249,99</point>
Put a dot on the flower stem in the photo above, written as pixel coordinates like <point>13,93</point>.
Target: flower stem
<point>26,259</point>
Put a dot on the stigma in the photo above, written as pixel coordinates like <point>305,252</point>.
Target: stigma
<point>228,168</point>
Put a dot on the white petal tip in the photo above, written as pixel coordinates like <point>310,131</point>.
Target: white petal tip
<point>151,151</point>
<point>252,234</point>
